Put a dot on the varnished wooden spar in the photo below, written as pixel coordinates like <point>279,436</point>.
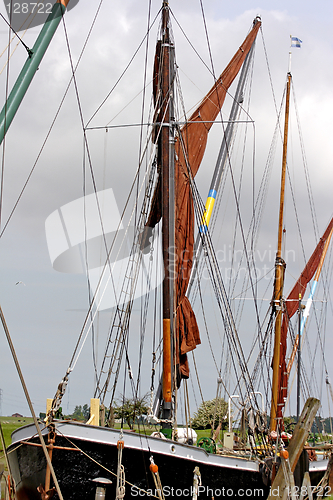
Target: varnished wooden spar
<point>164,147</point>
<point>279,274</point>
<point>38,445</point>
<point>295,447</point>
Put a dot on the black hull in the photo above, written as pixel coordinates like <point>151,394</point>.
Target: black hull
<point>94,454</point>
<point>75,470</point>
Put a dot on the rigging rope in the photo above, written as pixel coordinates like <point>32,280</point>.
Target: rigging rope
<point>157,480</point>
<point>4,138</point>
<point>120,490</point>
<point>29,51</point>
<point>123,73</point>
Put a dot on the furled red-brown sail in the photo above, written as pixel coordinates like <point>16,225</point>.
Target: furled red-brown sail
<point>291,307</point>
<point>189,149</point>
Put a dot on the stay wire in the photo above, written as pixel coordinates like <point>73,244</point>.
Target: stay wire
<point>123,73</point>
<point>207,331</point>
<point>143,323</point>
<point>87,266</point>
<point>33,14</point>
<point>320,344</point>
<point>306,170</point>
<point>207,39</point>
<point>218,370</point>
<point>29,51</point>
<point>5,121</point>
<point>11,40</point>
<point>143,96</point>
<point>199,386</point>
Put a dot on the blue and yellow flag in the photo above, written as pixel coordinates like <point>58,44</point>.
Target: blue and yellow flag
<point>295,42</point>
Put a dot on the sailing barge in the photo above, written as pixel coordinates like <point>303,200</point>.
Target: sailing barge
<point>91,461</point>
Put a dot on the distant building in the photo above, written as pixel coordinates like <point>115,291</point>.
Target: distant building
<point>17,415</point>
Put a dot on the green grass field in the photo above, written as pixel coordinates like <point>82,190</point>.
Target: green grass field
<point>9,424</point>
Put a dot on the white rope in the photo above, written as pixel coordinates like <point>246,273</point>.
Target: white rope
<point>120,491</point>
<point>196,483</point>
<point>157,480</point>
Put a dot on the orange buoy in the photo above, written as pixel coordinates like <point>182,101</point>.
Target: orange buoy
<point>284,454</point>
<point>153,468</point>
<point>120,444</point>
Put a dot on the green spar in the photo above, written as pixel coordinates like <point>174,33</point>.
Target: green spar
<point>30,67</point>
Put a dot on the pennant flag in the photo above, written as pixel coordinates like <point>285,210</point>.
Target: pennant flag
<point>295,42</point>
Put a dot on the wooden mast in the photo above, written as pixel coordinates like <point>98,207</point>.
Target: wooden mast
<point>279,274</point>
<point>166,94</point>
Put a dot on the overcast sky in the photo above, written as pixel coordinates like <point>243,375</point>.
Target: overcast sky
<point>45,312</point>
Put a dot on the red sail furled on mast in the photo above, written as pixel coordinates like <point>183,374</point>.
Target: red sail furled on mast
<point>291,307</point>
<point>189,149</point>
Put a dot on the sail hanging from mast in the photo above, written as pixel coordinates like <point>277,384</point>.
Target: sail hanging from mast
<point>291,306</point>
<point>189,150</point>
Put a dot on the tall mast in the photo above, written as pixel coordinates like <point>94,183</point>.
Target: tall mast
<point>167,210</point>
<point>279,274</point>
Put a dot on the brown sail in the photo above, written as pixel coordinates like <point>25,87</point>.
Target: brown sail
<point>291,306</point>
<point>189,150</point>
